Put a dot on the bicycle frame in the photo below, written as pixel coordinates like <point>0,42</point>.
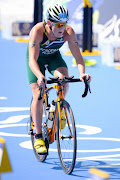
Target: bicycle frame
<point>59,90</point>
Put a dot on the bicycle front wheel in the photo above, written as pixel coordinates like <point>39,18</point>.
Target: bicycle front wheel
<point>66,138</point>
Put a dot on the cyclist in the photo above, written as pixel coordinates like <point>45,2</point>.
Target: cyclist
<point>45,40</point>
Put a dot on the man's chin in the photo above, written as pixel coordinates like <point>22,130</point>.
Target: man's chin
<point>60,35</point>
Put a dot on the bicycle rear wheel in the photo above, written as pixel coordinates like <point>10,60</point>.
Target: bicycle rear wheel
<point>39,157</point>
<point>66,139</point>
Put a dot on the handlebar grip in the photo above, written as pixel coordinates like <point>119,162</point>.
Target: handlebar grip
<point>87,87</point>
<point>49,81</point>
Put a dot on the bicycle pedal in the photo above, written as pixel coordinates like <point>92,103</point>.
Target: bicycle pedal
<point>30,132</point>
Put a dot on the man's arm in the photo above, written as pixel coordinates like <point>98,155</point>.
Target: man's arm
<point>75,50</point>
<point>36,36</point>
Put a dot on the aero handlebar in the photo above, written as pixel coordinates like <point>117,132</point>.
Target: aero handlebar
<point>63,81</point>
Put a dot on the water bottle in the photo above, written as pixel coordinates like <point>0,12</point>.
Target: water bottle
<point>51,115</point>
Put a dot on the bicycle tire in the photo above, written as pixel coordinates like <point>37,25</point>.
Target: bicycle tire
<point>39,157</point>
<point>67,164</point>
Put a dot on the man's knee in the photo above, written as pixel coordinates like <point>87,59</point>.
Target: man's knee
<point>61,72</point>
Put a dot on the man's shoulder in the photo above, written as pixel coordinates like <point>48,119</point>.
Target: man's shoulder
<point>38,28</point>
<point>68,32</point>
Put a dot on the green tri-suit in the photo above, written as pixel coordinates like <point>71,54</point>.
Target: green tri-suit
<point>49,55</point>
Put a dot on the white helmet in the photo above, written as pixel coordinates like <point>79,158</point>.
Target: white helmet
<point>58,13</point>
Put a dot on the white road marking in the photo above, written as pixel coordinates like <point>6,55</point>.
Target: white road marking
<point>89,129</point>
<point>101,157</point>
<point>12,109</point>
<point>27,144</point>
<point>3,98</point>
<point>14,119</point>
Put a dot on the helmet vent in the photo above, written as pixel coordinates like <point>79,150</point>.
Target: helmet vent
<point>56,17</point>
<point>64,9</point>
<point>57,9</point>
<point>55,12</point>
<point>61,9</point>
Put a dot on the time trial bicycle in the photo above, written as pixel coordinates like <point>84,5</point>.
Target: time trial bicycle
<point>64,133</point>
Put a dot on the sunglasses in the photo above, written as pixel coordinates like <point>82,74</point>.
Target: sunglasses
<point>59,25</point>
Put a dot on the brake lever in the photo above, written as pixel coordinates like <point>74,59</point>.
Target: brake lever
<point>41,93</point>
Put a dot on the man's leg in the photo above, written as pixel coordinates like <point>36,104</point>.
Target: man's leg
<point>36,108</point>
<point>61,72</point>
<point>37,111</point>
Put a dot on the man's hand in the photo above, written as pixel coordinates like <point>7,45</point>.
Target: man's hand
<point>88,77</point>
<point>41,81</point>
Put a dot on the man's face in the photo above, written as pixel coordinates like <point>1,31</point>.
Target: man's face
<point>58,29</point>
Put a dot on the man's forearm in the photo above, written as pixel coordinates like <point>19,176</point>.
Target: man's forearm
<point>35,68</point>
